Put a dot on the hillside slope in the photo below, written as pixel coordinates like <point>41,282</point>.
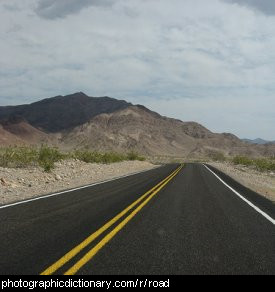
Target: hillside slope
<point>17,131</point>
<point>147,132</point>
<point>107,124</point>
<point>60,113</point>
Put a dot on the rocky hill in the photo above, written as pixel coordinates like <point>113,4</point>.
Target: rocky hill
<point>17,131</point>
<point>147,132</point>
<point>107,124</point>
<point>60,113</point>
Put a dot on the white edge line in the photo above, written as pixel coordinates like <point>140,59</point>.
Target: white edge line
<point>243,198</point>
<point>74,189</point>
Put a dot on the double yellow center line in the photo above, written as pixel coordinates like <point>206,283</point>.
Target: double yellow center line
<point>92,252</point>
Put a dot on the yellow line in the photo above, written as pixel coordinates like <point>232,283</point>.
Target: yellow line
<point>68,256</point>
<point>86,258</point>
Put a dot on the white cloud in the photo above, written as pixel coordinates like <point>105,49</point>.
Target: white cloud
<point>265,6</point>
<point>188,52</point>
<point>52,9</point>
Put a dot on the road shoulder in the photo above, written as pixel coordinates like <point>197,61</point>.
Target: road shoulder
<point>255,198</point>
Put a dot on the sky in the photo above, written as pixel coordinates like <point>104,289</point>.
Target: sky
<point>211,61</point>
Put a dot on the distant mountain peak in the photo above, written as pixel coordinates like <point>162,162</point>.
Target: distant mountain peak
<point>258,141</point>
<point>60,113</point>
<point>81,93</point>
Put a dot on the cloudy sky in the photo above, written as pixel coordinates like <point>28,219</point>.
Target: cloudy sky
<point>208,61</point>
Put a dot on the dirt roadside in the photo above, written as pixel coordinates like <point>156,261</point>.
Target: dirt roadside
<point>19,184</point>
<point>260,182</point>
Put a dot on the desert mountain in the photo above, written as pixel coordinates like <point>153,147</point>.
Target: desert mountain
<point>258,141</point>
<point>149,133</point>
<point>7,138</point>
<point>16,130</point>
<point>107,124</point>
<point>63,112</point>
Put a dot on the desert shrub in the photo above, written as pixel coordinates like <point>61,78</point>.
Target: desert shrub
<point>261,164</point>
<point>96,157</point>
<point>112,157</point>
<point>47,165</point>
<point>134,156</point>
<point>264,164</point>
<point>18,157</point>
<point>217,156</point>
<point>108,157</point>
<point>87,156</point>
<point>47,156</point>
<point>242,160</point>
<point>29,156</point>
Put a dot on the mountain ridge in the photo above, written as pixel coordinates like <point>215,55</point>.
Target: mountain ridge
<point>107,124</point>
<point>258,141</point>
<point>59,113</point>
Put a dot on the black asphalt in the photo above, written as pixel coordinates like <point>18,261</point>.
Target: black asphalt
<point>194,225</point>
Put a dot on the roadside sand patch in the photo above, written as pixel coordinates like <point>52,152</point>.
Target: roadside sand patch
<point>18,184</point>
<point>260,182</point>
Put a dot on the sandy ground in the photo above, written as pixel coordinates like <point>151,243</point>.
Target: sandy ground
<point>21,184</point>
<point>260,182</point>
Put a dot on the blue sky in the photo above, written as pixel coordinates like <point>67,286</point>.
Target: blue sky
<point>211,61</point>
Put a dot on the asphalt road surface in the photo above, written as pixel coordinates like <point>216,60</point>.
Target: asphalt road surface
<point>169,220</point>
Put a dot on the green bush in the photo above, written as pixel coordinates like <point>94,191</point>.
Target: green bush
<point>261,164</point>
<point>217,156</point>
<point>264,165</point>
<point>47,156</point>
<point>87,156</point>
<point>243,160</point>
<point>18,157</point>
<point>108,157</point>
<point>134,156</point>
<point>48,165</point>
<point>112,157</point>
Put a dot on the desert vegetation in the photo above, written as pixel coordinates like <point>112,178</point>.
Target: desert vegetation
<point>261,164</point>
<point>45,157</point>
<point>217,156</point>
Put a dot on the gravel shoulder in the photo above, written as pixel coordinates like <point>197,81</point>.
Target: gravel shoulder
<point>20,184</point>
<point>260,182</point>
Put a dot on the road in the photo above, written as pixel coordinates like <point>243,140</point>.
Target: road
<point>169,220</point>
